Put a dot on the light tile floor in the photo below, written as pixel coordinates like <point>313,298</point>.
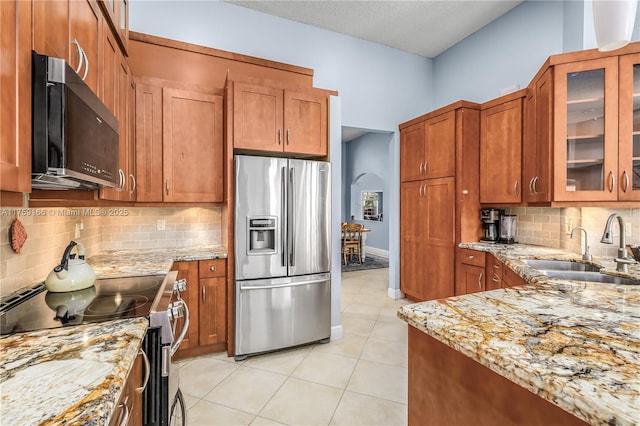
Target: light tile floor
<point>358,380</point>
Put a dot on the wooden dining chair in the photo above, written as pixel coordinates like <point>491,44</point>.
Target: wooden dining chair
<point>351,241</point>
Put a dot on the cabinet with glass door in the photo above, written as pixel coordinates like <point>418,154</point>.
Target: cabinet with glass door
<point>586,130</point>
<point>629,129</point>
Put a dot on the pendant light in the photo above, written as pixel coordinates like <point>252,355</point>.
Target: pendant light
<point>613,21</point>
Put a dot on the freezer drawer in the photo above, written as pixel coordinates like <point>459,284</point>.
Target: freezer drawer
<point>278,313</point>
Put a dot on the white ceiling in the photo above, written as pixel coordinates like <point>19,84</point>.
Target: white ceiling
<point>424,27</point>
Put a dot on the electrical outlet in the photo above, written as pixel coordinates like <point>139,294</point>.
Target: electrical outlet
<point>77,228</point>
<point>568,225</point>
<point>161,225</point>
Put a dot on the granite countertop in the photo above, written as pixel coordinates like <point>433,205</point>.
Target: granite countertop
<point>69,375</point>
<point>75,374</point>
<point>129,263</point>
<point>575,344</point>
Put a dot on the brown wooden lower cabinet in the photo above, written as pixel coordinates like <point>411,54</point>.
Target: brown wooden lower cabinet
<point>131,397</point>
<point>449,388</point>
<point>470,271</point>
<point>206,297</point>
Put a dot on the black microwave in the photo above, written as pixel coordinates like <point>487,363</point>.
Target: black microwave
<point>74,135</point>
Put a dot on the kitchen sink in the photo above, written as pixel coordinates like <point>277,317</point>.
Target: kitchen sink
<point>560,265</point>
<point>595,277</point>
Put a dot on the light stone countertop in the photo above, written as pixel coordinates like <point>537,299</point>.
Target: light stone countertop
<point>575,344</point>
<point>69,375</point>
<point>75,374</point>
<point>137,262</point>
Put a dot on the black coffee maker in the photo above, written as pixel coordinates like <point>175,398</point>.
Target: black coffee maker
<point>490,224</point>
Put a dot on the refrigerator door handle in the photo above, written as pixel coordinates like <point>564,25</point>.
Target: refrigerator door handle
<point>290,219</point>
<point>267,287</point>
<point>283,215</point>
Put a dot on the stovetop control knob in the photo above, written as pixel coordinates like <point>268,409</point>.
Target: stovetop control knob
<point>180,285</point>
<point>176,310</point>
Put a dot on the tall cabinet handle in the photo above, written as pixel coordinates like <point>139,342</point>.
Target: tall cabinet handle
<point>166,186</point>
<point>80,56</point>
<point>133,184</point>
<point>292,208</point>
<point>86,65</point>
<point>284,215</point>
<point>480,280</point>
<point>288,136</point>
<point>626,181</point>
<point>421,168</point>
<point>612,181</point>
<point>515,189</point>
<point>204,294</point>
<point>279,136</point>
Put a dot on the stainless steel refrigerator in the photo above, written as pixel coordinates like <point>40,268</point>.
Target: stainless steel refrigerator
<point>282,252</point>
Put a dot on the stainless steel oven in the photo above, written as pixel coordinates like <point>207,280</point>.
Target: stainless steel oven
<point>156,297</point>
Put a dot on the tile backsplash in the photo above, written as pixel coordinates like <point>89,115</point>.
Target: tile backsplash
<point>551,227</point>
<point>50,231</point>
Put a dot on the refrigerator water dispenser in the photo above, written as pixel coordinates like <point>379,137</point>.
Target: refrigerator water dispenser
<point>262,235</point>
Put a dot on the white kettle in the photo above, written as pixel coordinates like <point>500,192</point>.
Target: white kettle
<point>71,274</point>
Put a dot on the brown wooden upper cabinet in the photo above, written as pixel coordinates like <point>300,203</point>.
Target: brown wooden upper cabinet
<point>277,120</point>
<point>179,148</point>
<point>501,149</point>
<point>117,14</point>
<point>586,130</point>
<point>15,102</point>
<point>428,149</point>
<point>629,129</point>
<point>126,190</point>
<point>538,136</point>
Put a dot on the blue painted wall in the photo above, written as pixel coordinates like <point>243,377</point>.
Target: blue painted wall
<point>379,86</point>
<point>368,154</point>
<point>508,51</point>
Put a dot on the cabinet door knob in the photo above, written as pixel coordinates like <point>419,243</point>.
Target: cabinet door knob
<point>212,268</point>
<point>471,256</point>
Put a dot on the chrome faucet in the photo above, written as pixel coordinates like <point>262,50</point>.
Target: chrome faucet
<point>622,260</point>
<point>586,255</point>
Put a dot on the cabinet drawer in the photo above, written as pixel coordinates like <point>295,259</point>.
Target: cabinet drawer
<point>212,268</point>
<point>472,257</point>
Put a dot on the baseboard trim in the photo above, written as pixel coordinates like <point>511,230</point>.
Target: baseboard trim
<point>377,252</point>
<point>395,294</point>
<point>337,332</point>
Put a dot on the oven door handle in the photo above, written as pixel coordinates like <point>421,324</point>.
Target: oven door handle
<point>185,327</point>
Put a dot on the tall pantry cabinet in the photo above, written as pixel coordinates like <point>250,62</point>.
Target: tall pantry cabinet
<point>439,201</point>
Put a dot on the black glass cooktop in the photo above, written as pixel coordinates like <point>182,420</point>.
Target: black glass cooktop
<point>35,308</point>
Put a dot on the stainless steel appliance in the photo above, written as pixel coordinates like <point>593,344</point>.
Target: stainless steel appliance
<point>156,297</point>
<point>282,253</point>
<point>490,224</point>
<point>508,228</point>
<point>74,136</point>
